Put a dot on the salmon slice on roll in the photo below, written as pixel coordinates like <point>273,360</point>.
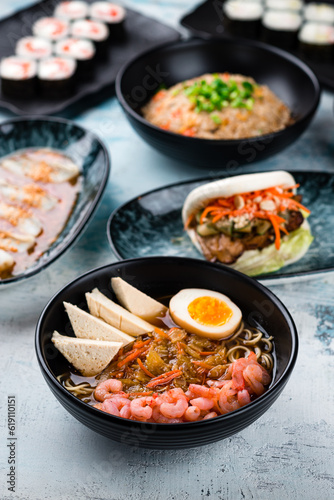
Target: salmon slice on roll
<point>255,223</point>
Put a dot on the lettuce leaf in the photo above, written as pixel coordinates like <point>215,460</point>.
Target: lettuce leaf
<point>269,259</point>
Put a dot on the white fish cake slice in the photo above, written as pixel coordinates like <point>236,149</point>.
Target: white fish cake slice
<point>14,242</point>
<point>30,194</point>
<point>88,356</point>
<point>21,219</point>
<point>44,165</point>
<point>6,261</point>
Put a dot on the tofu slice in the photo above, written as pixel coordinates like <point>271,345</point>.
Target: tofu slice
<point>115,315</point>
<point>14,242</point>
<point>86,326</point>
<point>137,302</point>
<point>90,357</point>
<point>30,194</point>
<point>6,261</point>
<point>21,219</point>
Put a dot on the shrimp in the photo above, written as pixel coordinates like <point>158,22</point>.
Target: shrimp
<point>203,403</point>
<point>243,397</point>
<point>192,413</point>
<point>228,400</point>
<point>159,418</point>
<point>109,407</point>
<point>120,400</point>
<point>176,405</point>
<point>201,391</point>
<point>212,414</point>
<point>253,376</point>
<point>106,389</point>
<point>141,408</point>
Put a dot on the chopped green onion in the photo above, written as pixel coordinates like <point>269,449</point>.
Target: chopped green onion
<point>216,119</point>
<point>219,94</point>
<point>248,86</point>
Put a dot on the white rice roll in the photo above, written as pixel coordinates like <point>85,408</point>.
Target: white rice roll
<point>281,21</point>
<point>70,11</point>
<point>243,11</point>
<point>51,28</point>
<point>316,34</point>
<point>93,30</point>
<point>33,47</point>
<point>17,68</point>
<point>319,13</point>
<point>56,68</point>
<point>77,48</point>
<point>294,5</point>
<point>107,12</point>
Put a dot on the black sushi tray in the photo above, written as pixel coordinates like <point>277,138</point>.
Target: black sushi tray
<point>207,19</point>
<point>142,33</point>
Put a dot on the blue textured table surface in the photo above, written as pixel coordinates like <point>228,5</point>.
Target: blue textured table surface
<point>287,453</point>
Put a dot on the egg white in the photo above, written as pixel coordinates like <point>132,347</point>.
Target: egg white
<point>178,307</point>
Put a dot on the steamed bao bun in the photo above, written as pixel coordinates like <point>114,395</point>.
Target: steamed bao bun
<point>205,313</point>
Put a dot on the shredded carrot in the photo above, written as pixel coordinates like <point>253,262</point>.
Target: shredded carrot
<point>202,364</point>
<point>141,343</point>
<point>161,332</point>
<point>179,347</point>
<point>159,95</point>
<point>148,393</point>
<point>166,126</point>
<point>145,370</point>
<point>189,132</point>
<point>207,353</point>
<point>165,378</point>
<point>131,356</point>
<point>275,224</point>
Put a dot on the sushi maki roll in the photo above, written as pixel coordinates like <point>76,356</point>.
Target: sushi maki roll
<point>51,28</point>
<point>18,77</point>
<point>94,31</point>
<point>33,47</point>
<point>319,13</point>
<point>243,18</point>
<point>56,76</point>
<point>281,28</point>
<point>83,51</point>
<point>292,5</point>
<point>317,41</point>
<point>71,11</point>
<point>111,14</point>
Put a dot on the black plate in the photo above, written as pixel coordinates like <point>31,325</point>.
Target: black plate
<point>291,80</point>
<point>151,224</point>
<point>142,33</point>
<point>158,277</point>
<point>85,149</point>
<point>207,20</point>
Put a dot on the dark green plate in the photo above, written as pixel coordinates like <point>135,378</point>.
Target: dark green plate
<point>151,225</point>
<point>85,149</point>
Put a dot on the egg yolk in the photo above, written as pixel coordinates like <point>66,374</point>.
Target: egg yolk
<point>210,311</point>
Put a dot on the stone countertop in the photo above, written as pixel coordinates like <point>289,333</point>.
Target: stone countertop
<point>287,453</point>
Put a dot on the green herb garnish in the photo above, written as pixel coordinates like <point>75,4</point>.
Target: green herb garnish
<point>218,94</point>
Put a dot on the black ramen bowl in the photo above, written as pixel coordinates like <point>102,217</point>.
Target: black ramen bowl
<point>161,277</point>
<point>288,77</point>
<point>85,149</point>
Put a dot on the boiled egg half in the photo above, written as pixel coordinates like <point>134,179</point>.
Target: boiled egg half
<point>205,312</point>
